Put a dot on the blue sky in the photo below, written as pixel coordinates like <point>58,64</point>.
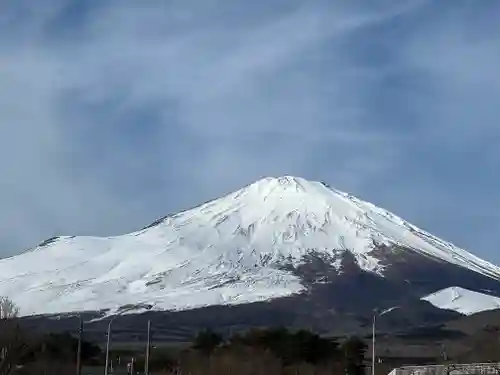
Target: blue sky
<point>113,113</point>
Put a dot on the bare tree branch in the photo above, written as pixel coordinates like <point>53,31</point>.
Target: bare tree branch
<point>12,345</point>
<point>8,308</point>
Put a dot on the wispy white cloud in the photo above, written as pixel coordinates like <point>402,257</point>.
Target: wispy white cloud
<point>451,56</point>
<point>114,113</point>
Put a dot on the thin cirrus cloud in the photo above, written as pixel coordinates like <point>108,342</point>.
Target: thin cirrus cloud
<point>115,113</point>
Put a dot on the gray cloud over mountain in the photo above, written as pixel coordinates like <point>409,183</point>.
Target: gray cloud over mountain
<point>113,113</point>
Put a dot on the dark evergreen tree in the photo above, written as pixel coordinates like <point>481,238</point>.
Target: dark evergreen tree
<point>207,341</point>
<point>290,347</point>
<point>354,350</point>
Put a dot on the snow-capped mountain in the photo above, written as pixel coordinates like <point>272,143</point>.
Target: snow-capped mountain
<point>275,238</point>
<point>462,300</point>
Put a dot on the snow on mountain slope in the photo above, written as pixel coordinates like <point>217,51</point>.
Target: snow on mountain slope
<point>230,250</point>
<point>462,300</point>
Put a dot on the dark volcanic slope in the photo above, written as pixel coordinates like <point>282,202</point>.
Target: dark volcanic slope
<point>334,302</point>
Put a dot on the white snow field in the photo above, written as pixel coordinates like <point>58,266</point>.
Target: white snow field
<point>462,300</point>
<point>222,252</point>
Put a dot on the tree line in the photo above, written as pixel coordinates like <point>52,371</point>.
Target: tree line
<point>263,351</point>
<point>277,351</point>
<point>255,351</point>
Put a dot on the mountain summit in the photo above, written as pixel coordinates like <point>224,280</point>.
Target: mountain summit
<point>278,237</point>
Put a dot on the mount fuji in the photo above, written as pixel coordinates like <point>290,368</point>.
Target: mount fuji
<point>286,245</point>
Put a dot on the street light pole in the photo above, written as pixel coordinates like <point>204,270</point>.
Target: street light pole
<point>375,315</point>
<point>373,343</point>
<point>79,351</point>
<point>148,348</point>
<point>107,348</point>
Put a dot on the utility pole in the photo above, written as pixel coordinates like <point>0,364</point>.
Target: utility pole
<point>148,348</point>
<point>79,350</point>
<point>3,352</point>
<point>106,368</point>
<point>373,343</point>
